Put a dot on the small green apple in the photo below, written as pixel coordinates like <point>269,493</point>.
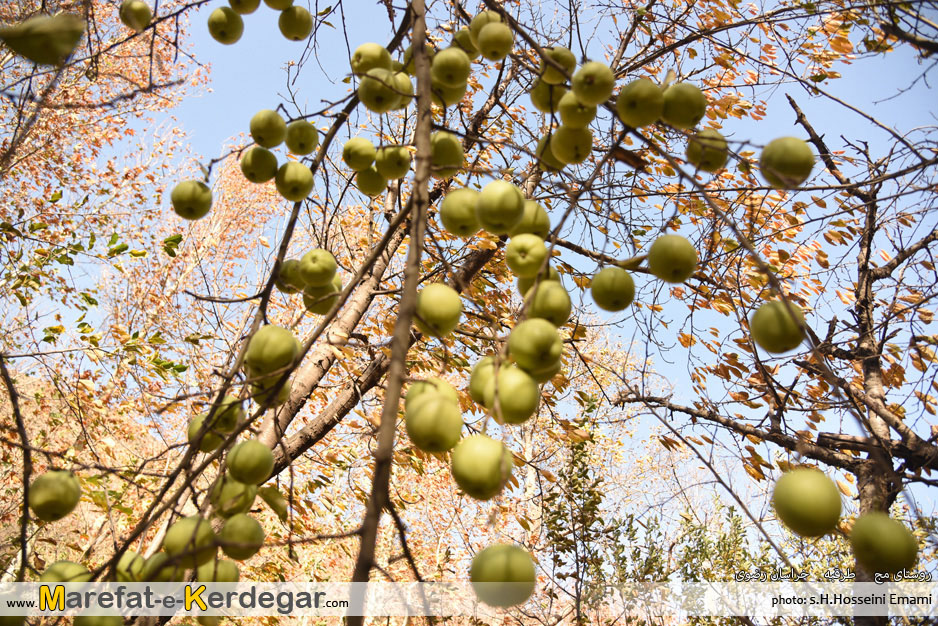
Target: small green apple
<point>593,83</point>
<point>544,374</point>
<point>160,568</point>
<point>444,96</point>
<point>269,393</point>
<point>225,26</point>
<point>482,373</point>
<point>320,300</point>
<point>45,39</point>
<point>370,182</point>
<point>480,21</point>
<point>684,105</point>
<point>640,103</point>
<point>190,541</point>
<point>250,462</point>
<point>446,154</point>
<point>302,137</point>
<point>450,67</point>
<point>545,97</point>
<point>525,254</point>
<point>550,74</point>
<point>458,212</point>
<point>499,207</point>
<point>129,567</point>
<point>211,439</point>
<point>672,258</point>
<point>218,571</point>
<point>433,423</point>
<point>774,329</point>
<point>517,392</point>
<point>295,23</point>
<point>369,56</point>
<point>439,309</point>
<point>279,5</point>
<point>882,544</point>
<point>503,575</point>
<point>545,157</point>
<point>65,572</point>
<point>807,502</point>
<point>191,199</point>
<point>294,181</point>
<point>534,220</point>
<point>267,128</point>
<point>270,349</point>
<point>570,144</point>
<point>54,495</point>
<point>463,40</point>
<point>495,41</point>
<point>135,14</point>
<point>258,164</point>
<point>403,87</point>
<point>707,150</point>
<point>534,343</point>
<point>525,284</point>
<point>230,497</point>
<point>408,59</point>
<point>393,162</point>
<point>241,537</point>
<point>550,301</point>
<point>358,153</point>
<point>612,289</point>
<point>429,386</point>
<point>244,7</point>
<point>290,281</point>
<point>574,113</point>
<point>481,466</point>
<point>377,90</point>
<point>786,162</point>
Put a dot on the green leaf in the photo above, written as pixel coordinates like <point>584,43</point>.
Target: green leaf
<point>56,197</point>
<point>171,243</point>
<point>118,249</point>
<point>113,239</point>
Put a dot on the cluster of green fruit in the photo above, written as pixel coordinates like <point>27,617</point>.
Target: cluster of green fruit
<point>374,167</point>
<point>316,276</point>
<point>226,26</point>
<point>808,503</point>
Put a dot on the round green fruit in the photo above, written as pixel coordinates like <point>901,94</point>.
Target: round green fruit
<point>535,343</point>
<point>443,96</point>
<point>54,495</point>
<point>267,128</point>
<point>481,466</point>
<point>612,289</point>
<point>570,144</point>
<point>369,56</point>
<point>439,309</point>
<point>446,154</point>
<point>244,7</point>
<point>463,40</point>
<point>258,164</point>
<point>672,258</point>
<point>495,41</point>
<point>546,97</point>
<point>482,373</point>
<point>525,254</point>
<point>302,137</point>
<point>130,567</point>
<point>517,392</point>
<point>191,541</point>
<point>458,212</point>
<point>218,571</point>
<point>499,207</point>
<point>503,575</point>
<point>480,21</point>
<point>45,39</point>
<point>294,181</point>
<point>684,105</point>
<point>403,87</point>
<point>640,103</point>
<point>408,58</point>
<point>264,393</point>
<point>241,537</point>
<point>593,83</point>
<point>358,153</point>
<point>534,220</point>
<point>882,544</point>
<point>225,26</point>
<point>279,5</point>
<point>807,502</point>
<point>392,162</point>
<point>320,300</point>
<point>525,284</point>
<point>544,374</point>
<point>65,572</point>
<point>160,568</point>
<point>250,462</point>
<point>377,90</point>
<point>191,199</point>
<point>786,162</point>
<point>211,439</point>
<point>295,23</point>
<point>318,268</point>
<point>135,14</point>
<point>774,329</point>
<point>289,280</point>
<point>230,497</point>
<point>370,182</point>
<point>545,157</point>
<point>430,386</point>
<point>433,422</point>
<point>549,301</point>
<point>450,67</point>
<point>574,113</point>
<point>562,56</point>
<point>271,348</point>
<point>707,150</point>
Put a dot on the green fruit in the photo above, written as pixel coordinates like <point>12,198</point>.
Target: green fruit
<point>707,150</point>
<point>574,113</point>
<point>525,254</point>
<point>450,67</point>
<point>377,90</point>
<point>45,39</point>
<point>482,373</point>
<point>159,568</point>
<point>130,567</point>
<point>444,96</point>
<point>358,153</point>
<point>640,103</point>
<point>433,422</point>
<point>250,462</point>
<point>479,22</point>
<point>551,75</point>
<point>271,348</point>
<point>545,97</point>
<point>409,57</point>
<point>499,207</point>
<point>612,289</point>
<point>54,495</point>
<point>672,258</point>
<point>135,14</point>
<point>481,466</point>
<point>403,87</point>
<point>545,374</point>
<point>218,571</point>
<point>570,144</point>
<point>463,40</point>
<point>525,284</point>
<point>275,500</point>
<point>290,280</point>
<point>268,129</point>
<point>191,199</point>
<point>370,182</point>
<point>593,83</point>
<point>258,164</point>
<point>191,541</point>
<point>392,162</point>
<point>535,343</point>
<point>684,105</point>
<point>807,502</point>
<point>225,26</point>
<point>882,544</point>
<point>294,181</point>
<point>230,497</point>
<point>98,620</point>
<point>446,154</point>
<point>786,162</point>
<point>279,5</point>
<point>295,23</point>
<point>301,137</point>
<point>439,309</point>
<point>241,537</point>
<point>495,41</point>
<point>534,220</point>
<point>263,393</point>
<point>65,572</point>
<point>430,386</point>
<point>458,212</point>
<point>244,7</point>
<point>318,268</point>
<point>774,328</point>
<point>549,301</point>
<point>517,392</point>
<point>320,300</point>
<point>369,56</point>
<point>503,575</point>
<point>546,159</point>
<point>210,440</point>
